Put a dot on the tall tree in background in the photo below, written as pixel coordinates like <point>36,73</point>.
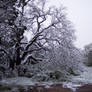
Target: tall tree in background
<point>88,54</point>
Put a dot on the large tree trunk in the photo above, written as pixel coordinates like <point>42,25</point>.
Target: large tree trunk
<point>12,64</point>
<point>18,59</point>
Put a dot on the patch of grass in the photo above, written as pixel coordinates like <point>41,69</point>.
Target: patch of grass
<point>89,64</point>
<point>20,87</point>
<point>4,88</point>
<point>9,88</point>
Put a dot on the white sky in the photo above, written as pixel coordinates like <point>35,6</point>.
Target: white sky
<point>80,13</point>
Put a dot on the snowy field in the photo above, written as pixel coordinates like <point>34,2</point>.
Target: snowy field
<point>77,81</point>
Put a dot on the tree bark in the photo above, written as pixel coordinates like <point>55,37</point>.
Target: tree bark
<point>18,59</point>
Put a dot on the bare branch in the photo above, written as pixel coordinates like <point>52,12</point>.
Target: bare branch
<point>27,52</point>
<point>44,18</point>
<point>38,24</point>
<point>38,34</point>
<point>29,57</point>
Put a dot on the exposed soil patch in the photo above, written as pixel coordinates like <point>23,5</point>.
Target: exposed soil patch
<point>52,88</point>
<point>85,88</point>
<point>44,88</point>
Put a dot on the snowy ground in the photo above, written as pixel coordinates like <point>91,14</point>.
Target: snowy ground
<point>77,81</point>
<point>85,77</point>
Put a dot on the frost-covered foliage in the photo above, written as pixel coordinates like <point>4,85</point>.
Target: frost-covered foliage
<point>56,36</point>
<point>49,52</point>
<point>7,16</point>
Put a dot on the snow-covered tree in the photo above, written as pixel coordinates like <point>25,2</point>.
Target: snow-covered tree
<point>51,36</point>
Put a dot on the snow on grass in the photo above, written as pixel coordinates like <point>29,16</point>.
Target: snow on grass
<point>25,81</point>
<point>17,81</point>
<point>72,86</point>
<point>85,77</point>
<point>77,81</point>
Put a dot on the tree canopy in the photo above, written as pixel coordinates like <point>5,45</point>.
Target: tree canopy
<point>51,36</point>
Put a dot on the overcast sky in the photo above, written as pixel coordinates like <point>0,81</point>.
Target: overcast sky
<point>80,13</point>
